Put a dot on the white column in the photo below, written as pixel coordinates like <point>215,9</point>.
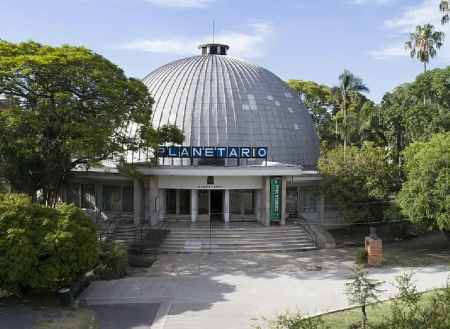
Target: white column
<point>98,201</point>
<point>226,206</point>
<point>258,205</point>
<point>194,205</point>
<point>138,211</point>
<point>321,208</point>
<point>283,200</point>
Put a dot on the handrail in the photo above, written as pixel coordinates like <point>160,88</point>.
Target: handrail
<point>119,215</point>
<point>141,228</point>
<point>312,231</point>
<point>164,225</point>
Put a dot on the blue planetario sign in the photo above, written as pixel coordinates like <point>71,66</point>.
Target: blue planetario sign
<point>211,152</point>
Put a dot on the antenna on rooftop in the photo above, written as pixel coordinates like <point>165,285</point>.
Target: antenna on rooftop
<point>213,30</point>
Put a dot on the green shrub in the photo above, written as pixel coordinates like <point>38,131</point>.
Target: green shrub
<point>361,256</point>
<point>411,310</point>
<point>43,247</point>
<point>295,320</point>
<point>113,261</point>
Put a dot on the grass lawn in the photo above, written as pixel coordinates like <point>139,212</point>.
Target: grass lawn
<point>375,314</point>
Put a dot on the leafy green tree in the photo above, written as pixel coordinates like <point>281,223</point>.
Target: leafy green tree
<point>43,247</point>
<point>434,87</point>
<point>424,42</point>
<point>69,107</point>
<point>354,180</point>
<point>349,86</point>
<point>320,104</point>
<point>371,128</point>
<point>444,8</point>
<point>361,290</point>
<point>411,309</point>
<point>404,117</point>
<point>425,195</point>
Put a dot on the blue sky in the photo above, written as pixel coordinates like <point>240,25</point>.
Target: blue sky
<point>295,39</point>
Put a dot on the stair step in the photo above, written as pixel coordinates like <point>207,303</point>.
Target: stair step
<point>236,240</point>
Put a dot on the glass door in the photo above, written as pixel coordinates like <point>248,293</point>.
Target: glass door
<point>203,205</point>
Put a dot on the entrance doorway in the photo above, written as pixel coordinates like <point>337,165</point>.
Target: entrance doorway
<point>216,204</point>
<point>210,205</point>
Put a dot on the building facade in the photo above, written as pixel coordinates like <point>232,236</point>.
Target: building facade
<point>250,150</point>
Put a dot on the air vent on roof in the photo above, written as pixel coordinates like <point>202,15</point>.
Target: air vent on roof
<point>214,49</point>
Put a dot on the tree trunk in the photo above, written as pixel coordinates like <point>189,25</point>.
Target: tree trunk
<point>364,316</point>
<point>345,125</point>
<point>447,233</point>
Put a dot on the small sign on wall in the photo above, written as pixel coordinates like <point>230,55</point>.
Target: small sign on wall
<point>156,204</point>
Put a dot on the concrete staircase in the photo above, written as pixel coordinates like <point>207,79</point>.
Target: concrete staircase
<point>237,240</point>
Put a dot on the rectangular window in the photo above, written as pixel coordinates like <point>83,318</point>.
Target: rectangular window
<point>88,196</point>
<point>330,204</point>
<point>73,194</point>
<point>291,199</point>
<point>306,201</point>
<point>178,202</point>
<point>171,201</point>
<point>118,198</point>
<point>203,202</point>
<point>185,202</point>
<point>128,199</point>
<point>82,195</point>
<point>242,202</point>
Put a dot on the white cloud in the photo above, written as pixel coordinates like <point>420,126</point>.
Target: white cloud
<point>425,13</point>
<point>182,3</point>
<point>248,45</point>
<point>389,51</point>
<point>370,2</point>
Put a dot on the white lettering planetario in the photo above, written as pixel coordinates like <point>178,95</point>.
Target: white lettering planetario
<point>211,152</point>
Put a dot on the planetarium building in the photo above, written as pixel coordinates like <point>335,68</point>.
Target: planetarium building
<point>250,149</point>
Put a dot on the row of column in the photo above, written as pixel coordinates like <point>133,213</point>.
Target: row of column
<point>148,190</point>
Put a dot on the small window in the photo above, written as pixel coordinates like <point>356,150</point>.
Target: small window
<point>118,198</point>
<point>306,201</point>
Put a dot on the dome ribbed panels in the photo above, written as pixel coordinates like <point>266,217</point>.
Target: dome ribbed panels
<point>225,101</point>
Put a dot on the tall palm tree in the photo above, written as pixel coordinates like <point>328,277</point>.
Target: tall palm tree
<point>423,43</point>
<point>348,84</point>
<point>444,7</point>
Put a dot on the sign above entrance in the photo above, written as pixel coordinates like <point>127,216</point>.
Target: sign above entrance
<point>211,152</point>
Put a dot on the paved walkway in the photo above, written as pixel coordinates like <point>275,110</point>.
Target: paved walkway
<point>226,290</point>
<point>249,263</point>
<point>239,300</point>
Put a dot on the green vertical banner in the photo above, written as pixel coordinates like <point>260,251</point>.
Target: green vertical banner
<point>275,198</point>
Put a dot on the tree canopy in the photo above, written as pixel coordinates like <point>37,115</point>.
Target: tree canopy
<point>423,43</point>
<point>349,85</point>
<point>67,106</point>
<point>318,101</point>
<point>444,8</point>
<point>425,195</point>
<point>354,180</point>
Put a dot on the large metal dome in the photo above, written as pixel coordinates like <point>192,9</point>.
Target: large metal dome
<point>218,100</point>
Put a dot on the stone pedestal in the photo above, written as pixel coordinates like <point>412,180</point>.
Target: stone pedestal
<point>374,249</point>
